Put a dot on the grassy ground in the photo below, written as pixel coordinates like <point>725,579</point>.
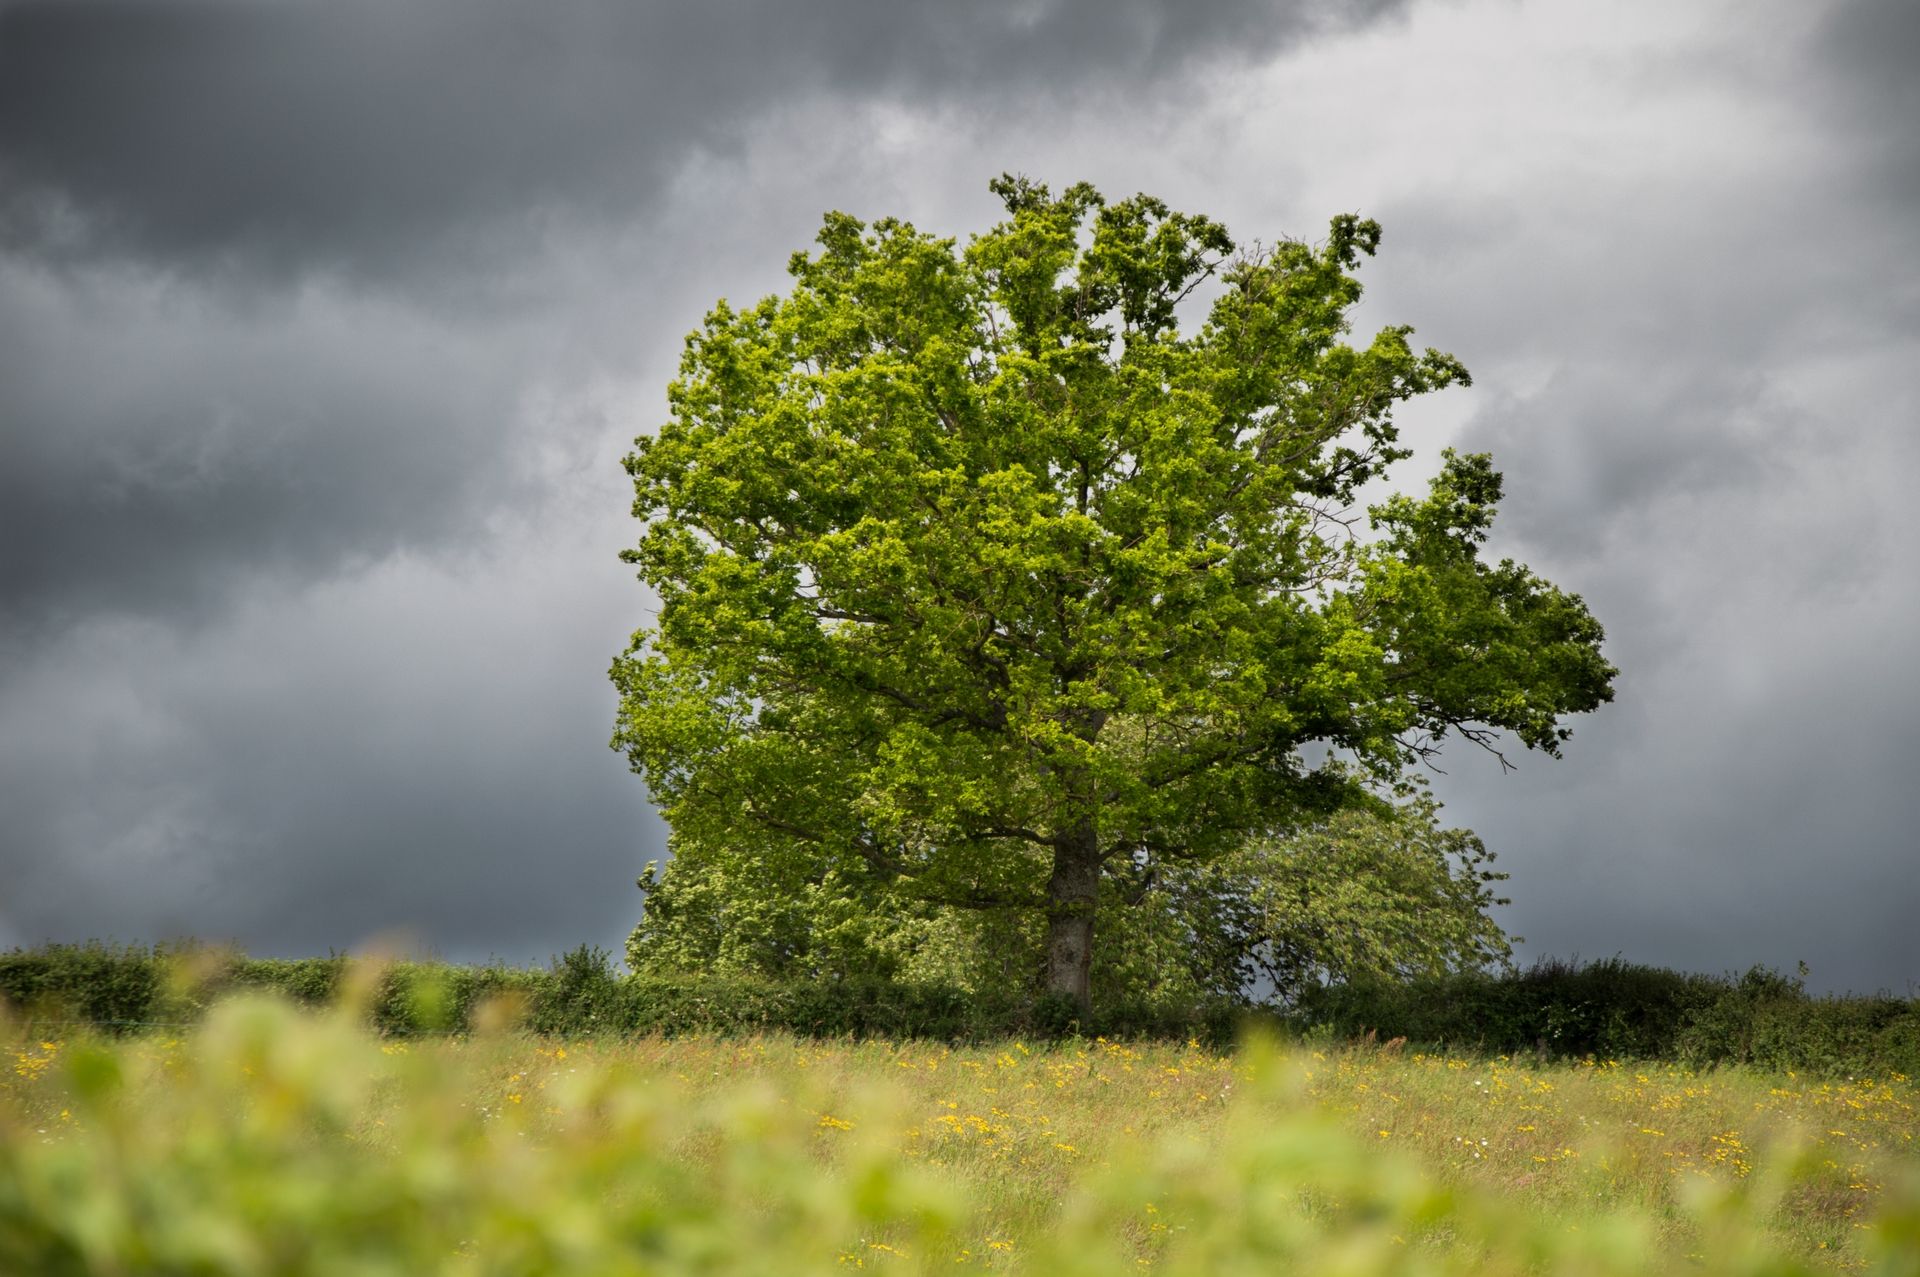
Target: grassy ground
<point>270,1141</point>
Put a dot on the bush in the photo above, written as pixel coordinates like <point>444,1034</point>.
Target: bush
<point>1620,1010</point>
<point>105,985</point>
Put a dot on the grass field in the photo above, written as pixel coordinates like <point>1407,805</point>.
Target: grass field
<point>272,1141</point>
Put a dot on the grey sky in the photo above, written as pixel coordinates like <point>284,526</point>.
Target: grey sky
<point>323,328</point>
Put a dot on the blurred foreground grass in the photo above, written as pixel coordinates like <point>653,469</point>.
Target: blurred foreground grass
<point>271,1141</point>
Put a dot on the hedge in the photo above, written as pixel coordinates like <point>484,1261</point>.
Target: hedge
<point>1608,1009</point>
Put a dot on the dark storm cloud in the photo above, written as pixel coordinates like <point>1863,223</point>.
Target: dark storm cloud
<point>1746,801</point>
<point>202,203</point>
<point>160,446</point>
<point>1871,48</point>
<point>396,753</point>
<point>376,137</point>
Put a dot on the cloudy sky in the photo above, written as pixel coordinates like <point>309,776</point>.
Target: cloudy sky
<point>324,326</point>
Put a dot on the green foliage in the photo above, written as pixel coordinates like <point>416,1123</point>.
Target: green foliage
<point>580,994</point>
<point>1766,1020</point>
<point>1622,1010</point>
<point>982,584</point>
<point>1364,895</point>
<point>100,984</point>
<point>583,995</point>
<point>127,988</point>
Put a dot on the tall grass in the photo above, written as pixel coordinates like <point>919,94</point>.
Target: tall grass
<point>274,1140</point>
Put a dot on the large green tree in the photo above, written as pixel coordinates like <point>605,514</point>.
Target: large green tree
<point>980,579</point>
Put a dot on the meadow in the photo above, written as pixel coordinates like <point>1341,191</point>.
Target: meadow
<point>274,1139</point>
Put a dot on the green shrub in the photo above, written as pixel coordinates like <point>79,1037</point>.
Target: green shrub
<point>1619,1010</point>
<point>110,986</point>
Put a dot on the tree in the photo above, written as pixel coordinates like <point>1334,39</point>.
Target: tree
<point>981,581</point>
<point>1378,893</point>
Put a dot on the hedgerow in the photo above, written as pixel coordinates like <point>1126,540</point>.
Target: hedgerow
<point>1555,1010</point>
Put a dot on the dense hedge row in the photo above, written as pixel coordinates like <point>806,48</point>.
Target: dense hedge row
<point>1620,1010</point>
<point>130,988</point>
<point>1610,1009</point>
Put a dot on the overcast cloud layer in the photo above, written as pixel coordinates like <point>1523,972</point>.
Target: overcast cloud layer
<point>323,328</point>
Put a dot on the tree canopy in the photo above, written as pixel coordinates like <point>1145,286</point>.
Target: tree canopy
<point>982,583</point>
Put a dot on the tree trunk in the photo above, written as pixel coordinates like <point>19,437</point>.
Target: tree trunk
<point>1071,895</point>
